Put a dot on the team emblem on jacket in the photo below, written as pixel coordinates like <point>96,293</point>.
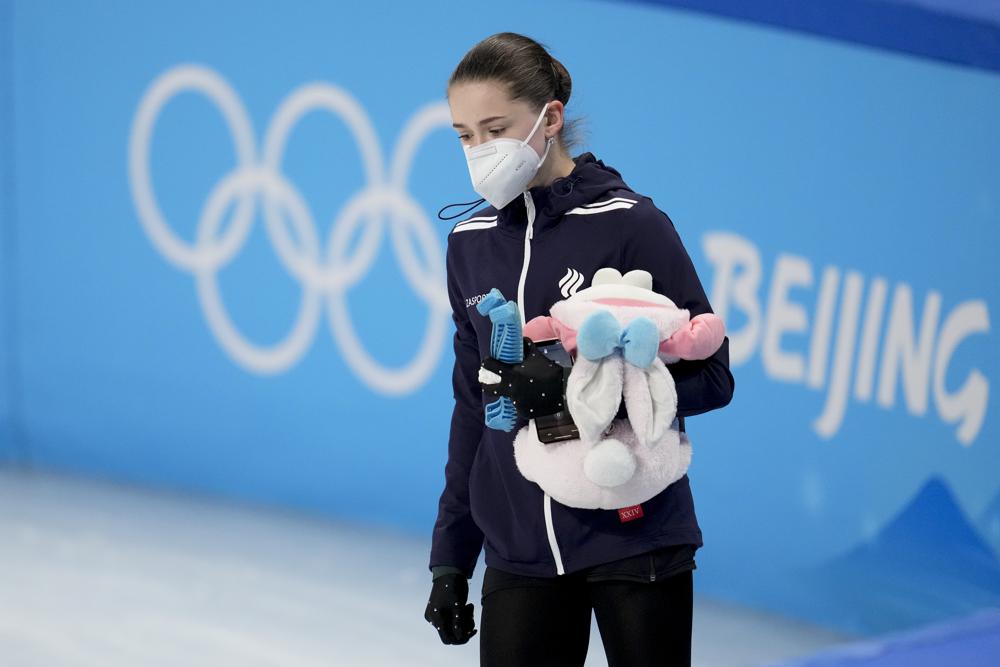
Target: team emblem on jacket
<point>570,282</point>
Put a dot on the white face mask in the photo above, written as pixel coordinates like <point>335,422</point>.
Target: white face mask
<point>502,168</point>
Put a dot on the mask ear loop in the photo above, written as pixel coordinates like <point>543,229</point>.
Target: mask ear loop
<point>470,204</point>
<point>548,142</point>
<point>538,122</point>
<point>548,145</point>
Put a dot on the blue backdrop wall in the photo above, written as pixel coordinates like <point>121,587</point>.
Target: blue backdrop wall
<point>217,220</point>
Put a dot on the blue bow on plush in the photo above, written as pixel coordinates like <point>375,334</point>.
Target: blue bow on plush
<point>600,335</point>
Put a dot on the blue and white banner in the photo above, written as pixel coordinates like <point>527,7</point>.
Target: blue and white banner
<point>222,270</point>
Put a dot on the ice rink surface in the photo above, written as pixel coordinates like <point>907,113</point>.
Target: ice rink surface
<point>98,573</point>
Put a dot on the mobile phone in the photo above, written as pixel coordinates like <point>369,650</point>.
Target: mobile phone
<point>557,426</point>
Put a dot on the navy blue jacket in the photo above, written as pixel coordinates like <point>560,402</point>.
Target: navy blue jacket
<point>584,221</point>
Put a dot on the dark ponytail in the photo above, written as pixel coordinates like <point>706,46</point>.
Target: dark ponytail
<point>526,68</point>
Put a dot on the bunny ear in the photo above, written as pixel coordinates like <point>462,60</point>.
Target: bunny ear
<point>639,278</point>
<point>606,275</point>
<point>593,394</point>
<point>650,399</point>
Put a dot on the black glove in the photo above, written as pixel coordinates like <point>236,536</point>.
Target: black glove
<point>535,385</point>
<point>447,609</point>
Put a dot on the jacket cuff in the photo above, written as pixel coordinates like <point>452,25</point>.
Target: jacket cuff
<point>440,570</point>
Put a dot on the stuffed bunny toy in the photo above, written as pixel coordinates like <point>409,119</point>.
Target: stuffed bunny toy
<point>622,333</point>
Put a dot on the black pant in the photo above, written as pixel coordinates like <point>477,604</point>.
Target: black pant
<point>642,623</point>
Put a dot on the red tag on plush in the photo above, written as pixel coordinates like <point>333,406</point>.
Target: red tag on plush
<point>630,513</point>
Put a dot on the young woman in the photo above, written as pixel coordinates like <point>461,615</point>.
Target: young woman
<point>549,215</point>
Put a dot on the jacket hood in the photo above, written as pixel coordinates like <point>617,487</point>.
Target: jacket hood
<point>589,180</point>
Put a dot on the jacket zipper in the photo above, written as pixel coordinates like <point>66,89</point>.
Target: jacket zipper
<point>529,204</point>
<point>652,568</point>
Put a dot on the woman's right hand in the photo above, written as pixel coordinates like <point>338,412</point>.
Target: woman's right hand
<point>447,610</point>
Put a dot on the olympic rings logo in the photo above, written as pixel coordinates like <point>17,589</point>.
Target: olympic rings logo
<point>329,273</point>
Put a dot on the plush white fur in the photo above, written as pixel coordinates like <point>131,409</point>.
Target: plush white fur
<point>594,392</point>
<point>609,463</point>
<point>650,399</point>
<point>560,467</point>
